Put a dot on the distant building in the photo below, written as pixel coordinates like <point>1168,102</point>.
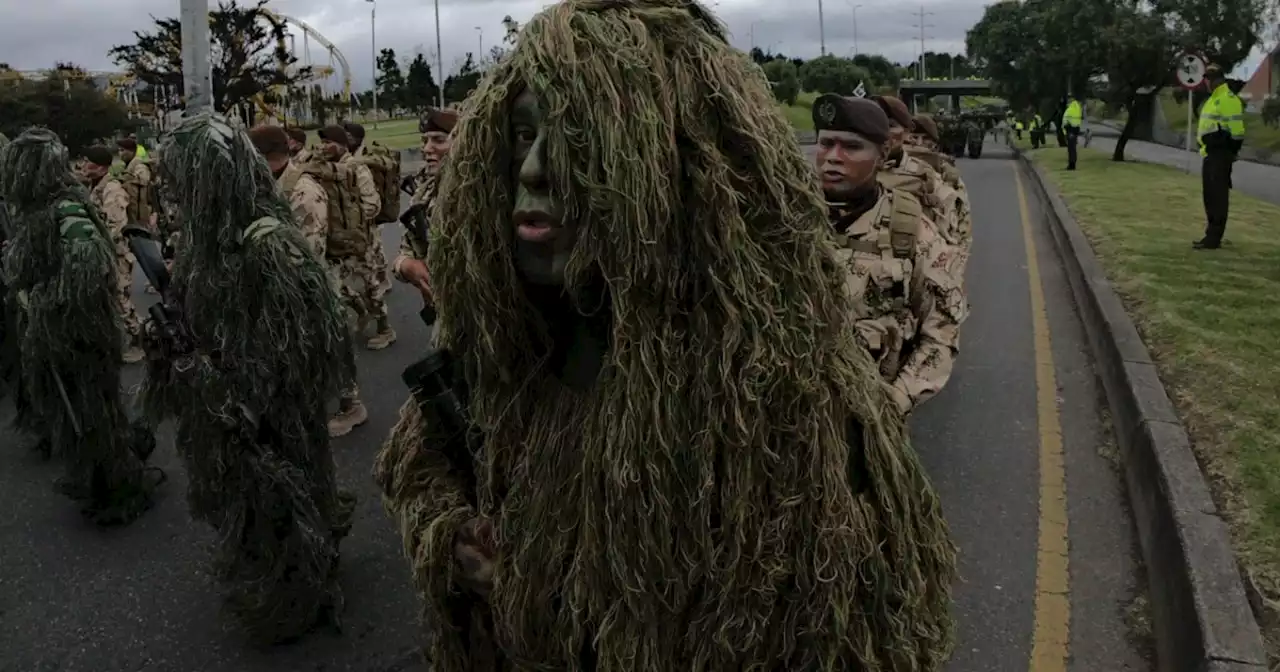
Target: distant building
<point>1265,81</point>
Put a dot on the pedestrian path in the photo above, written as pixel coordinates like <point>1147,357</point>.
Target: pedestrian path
<point>1256,179</point>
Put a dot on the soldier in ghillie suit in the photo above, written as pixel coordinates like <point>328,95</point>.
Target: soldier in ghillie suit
<point>266,346</point>
<point>60,262</point>
<point>685,458</point>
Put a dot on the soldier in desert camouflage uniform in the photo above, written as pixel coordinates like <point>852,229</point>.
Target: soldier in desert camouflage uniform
<point>298,151</point>
<point>410,266</point>
<point>306,197</point>
<point>924,144</point>
<point>359,283</point>
<point>903,171</point>
<point>911,298</point>
<point>112,202</point>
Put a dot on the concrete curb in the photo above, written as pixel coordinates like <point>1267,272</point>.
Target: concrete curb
<point>1200,614</point>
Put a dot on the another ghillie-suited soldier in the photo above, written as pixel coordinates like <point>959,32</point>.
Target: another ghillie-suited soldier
<point>680,456</point>
<point>257,345</point>
<point>925,144</point>
<point>60,261</point>
<point>437,139</point>
<point>111,200</point>
<point>906,277</point>
<point>904,171</point>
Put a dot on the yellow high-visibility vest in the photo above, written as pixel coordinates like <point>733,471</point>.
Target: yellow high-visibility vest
<point>1074,116</point>
<point>1223,111</point>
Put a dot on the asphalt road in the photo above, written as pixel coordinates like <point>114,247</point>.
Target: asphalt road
<point>77,599</point>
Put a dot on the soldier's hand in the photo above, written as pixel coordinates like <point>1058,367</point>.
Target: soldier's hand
<point>415,272</point>
<point>474,550</point>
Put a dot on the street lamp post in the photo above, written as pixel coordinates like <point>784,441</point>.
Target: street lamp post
<point>854,9</point>
<point>439,59</point>
<point>373,51</point>
<point>479,45</point>
<point>822,31</point>
<point>196,75</point>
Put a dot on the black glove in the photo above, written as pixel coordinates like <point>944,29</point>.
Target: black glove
<point>408,216</point>
<point>407,184</point>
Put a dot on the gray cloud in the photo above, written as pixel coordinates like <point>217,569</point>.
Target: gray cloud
<point>37,33</point>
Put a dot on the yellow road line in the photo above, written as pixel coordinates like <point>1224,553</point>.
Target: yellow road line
<point>1051,636</point>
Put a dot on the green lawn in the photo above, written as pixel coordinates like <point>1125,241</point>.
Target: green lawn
<point>1210,320</point>
<point>1256,134</point>
<point>395,134</point>
<point>801,114</point>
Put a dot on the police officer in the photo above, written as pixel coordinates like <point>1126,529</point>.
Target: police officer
<point>1221,134</point>
<point>1072,121</point>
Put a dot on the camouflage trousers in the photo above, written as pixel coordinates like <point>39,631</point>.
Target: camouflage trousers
<point>377,260</point>
<point>124,294</point>
<point>360,289</point>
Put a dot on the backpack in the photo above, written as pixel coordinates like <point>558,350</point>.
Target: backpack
<point>347,234</point>
<point>140,196</point>
<point>384,164</point>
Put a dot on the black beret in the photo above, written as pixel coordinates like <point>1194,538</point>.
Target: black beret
<point>99,156</point>
<point>832,112</point>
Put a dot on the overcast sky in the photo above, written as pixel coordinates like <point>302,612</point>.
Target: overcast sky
<point>34,34</point>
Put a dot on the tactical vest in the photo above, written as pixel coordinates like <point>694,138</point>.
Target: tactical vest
<point>884,318</point>
<point>347,235</point>
<point>914,181</point>
<point>384,164</point>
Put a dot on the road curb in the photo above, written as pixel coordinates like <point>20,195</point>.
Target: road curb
<point>1201,617</point>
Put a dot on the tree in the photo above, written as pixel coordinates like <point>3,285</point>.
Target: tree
<point>460,84</point>
<point>250,54</point>
<point>832,74</point>
<point>390,81</point>
<point>883,73</point>
<point>944,65</point>
<point>420,89</point>
<point>1037,51</point>
<point>66,103</point>
<point>1141,47</point>
<point>784,78</point>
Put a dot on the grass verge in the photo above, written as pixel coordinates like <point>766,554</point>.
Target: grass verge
<point>1211,321</point>
<point>395,134</point>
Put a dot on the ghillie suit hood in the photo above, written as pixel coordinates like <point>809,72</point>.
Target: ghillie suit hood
<point>271,342</point>
<point>61,264</point>
<point>701,506</point>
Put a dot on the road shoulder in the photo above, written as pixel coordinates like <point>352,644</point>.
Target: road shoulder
<point>1201,617</point>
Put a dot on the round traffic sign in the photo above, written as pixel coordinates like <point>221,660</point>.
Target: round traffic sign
<point>1191,69</point>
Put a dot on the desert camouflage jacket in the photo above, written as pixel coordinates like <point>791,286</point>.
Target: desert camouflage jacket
<point>910,299</point>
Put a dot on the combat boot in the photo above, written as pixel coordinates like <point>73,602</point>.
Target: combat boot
<point>351,414</point>
<point>385,336</point>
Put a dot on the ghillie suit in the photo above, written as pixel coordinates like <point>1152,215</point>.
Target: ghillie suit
<point>267,347</point>
<point>734,490</point>
<point>59,265</point>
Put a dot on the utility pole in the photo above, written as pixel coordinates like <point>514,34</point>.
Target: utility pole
<point>373,51</point>
<point>922,25</point>
<point>479,46</point>
<point>822,31</point>
<point>439,59</point>
<point>197,84</point>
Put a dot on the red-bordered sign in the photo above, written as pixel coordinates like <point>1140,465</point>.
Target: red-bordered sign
<point>1190,70</point>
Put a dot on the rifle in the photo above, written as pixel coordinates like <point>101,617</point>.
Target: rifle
<point>435,388</point>
<point>72,418</point>
<point>414,219</point>
<point>166,334</point>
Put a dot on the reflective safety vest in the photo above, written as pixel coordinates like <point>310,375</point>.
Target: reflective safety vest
<point>1223,111</point>
<point>1036,122</point>
<point>1074,115</point>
